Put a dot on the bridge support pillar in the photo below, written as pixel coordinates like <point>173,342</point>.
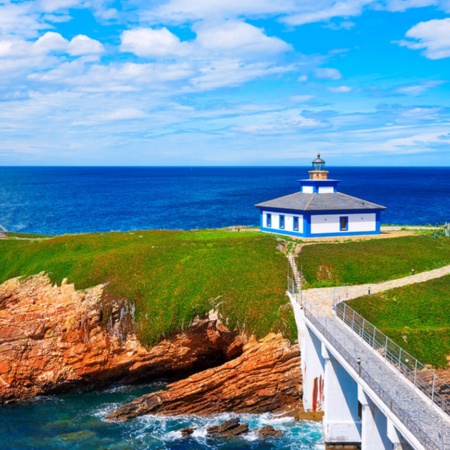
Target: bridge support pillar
<point>396,438</point>
<point>311,361</point>
<point>341,423</point>
<point>374,425</point>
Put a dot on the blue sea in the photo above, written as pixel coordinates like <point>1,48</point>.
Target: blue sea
<point>53,200</point>
<point>56,200</point>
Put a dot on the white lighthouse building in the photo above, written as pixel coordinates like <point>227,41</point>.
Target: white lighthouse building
<point>319,210</point>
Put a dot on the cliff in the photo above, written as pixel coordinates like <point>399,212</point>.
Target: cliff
<point>56,339</point>
<point>265,378</point>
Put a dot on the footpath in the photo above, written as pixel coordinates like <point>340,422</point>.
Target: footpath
<point>323,298</point>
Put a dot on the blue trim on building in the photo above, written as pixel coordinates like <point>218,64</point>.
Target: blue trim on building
<point>307,223</point>
<point>286,232</point>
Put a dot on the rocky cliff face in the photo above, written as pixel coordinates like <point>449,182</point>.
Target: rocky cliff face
<point>265,378</point>
<point>55,339</point>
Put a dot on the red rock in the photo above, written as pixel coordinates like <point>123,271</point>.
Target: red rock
<point>272,386</point>
<point>68,347</point>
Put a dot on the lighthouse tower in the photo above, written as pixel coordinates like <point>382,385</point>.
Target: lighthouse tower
<point>318,181</point>
<point>319,210</point>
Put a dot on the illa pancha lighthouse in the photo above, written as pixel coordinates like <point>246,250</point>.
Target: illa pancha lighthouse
<point>318,210</point>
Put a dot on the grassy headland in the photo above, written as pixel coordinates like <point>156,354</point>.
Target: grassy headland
<point>170,276</point>
<point>372,261</point>
<point>417,317</point>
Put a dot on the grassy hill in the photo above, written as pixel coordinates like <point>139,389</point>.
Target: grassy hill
<point>171,276</point>
<point>371,261</point>
<point>417,317</point>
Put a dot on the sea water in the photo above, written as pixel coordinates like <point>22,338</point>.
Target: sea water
<point>73,200</point>
<point>56,200</point>
<point>77,421</point>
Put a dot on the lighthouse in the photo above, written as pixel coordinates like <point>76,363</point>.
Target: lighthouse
<point>319,210</point>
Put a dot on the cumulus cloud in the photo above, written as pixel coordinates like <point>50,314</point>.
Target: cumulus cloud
<point>239,38</point>
<point>84,45</point>
<point>148,42</point>
<point>50,42</point>
<point>433,37</point>
<point>327,73</point>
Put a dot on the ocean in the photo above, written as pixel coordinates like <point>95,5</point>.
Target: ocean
<point>52,200</point>
<point>57,200</point>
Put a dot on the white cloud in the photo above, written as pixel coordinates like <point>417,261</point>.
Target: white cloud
<point>340,89</point>
<point>122,114</point>
<point>50,42</point>
<point>232,72</point>
<point>327,73</point>
<point>238,38</point>
<point>432,36</point>
<point>182,11</point>
<point>84,45</point>
<point>403,5</point>
<point>417,89</point>
<point>152,42</point>
<point>54,5</point>
<point>324,10</point>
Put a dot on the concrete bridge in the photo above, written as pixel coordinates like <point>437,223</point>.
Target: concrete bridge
<point>373,395</point>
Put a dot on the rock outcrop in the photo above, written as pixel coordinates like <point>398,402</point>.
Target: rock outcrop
<point>265,378</point>
<point>55,339</point>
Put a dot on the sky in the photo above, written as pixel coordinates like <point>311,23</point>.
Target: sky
<point>225,82</point>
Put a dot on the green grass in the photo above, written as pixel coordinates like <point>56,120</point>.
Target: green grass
<point>171,276</point>
<point>416,317</point>
<point>371,261</point>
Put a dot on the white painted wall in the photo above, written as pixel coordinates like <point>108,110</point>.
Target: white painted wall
<point>329,223</point>
<point>288,221</point>
<point>308,189</point>
<point>326,189</point>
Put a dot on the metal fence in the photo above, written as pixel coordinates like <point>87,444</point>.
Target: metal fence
<point>413,424</point>
<point>417,373</point>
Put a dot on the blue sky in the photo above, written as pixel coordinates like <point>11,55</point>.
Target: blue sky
<point>224,82</point>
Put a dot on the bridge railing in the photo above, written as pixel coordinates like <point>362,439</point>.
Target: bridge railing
<point>417,373</point>
<point>413,424</point>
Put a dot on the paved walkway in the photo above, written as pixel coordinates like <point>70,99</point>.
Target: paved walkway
<point>322,298</point>
<point>421,417</point>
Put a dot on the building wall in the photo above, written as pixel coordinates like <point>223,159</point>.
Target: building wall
<point>326,189</point>
<point>330,223</point>
<point>288,222</point>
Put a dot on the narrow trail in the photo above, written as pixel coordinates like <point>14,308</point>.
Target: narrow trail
<point>323,298</point>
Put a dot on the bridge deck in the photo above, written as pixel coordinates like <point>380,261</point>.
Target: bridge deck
<point>420,416</point>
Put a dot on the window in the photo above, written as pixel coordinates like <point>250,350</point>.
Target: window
<point>343,221</point>
<point>268,220</point>
<point>295,224</point>
<point>281,222</point>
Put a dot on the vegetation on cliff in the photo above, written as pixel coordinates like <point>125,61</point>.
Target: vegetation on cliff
<point>170,276</point>
<point>372,261</point>
<point>417,317</point>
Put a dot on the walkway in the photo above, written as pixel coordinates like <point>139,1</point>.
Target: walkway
<point>323,298</point>
<point>421,417</point>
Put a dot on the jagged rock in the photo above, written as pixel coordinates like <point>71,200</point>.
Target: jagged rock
<point>230,428</point>
<point>55,339</point>
<point>185,432</point>
<point>269,431</point>
<point>265,378</point>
